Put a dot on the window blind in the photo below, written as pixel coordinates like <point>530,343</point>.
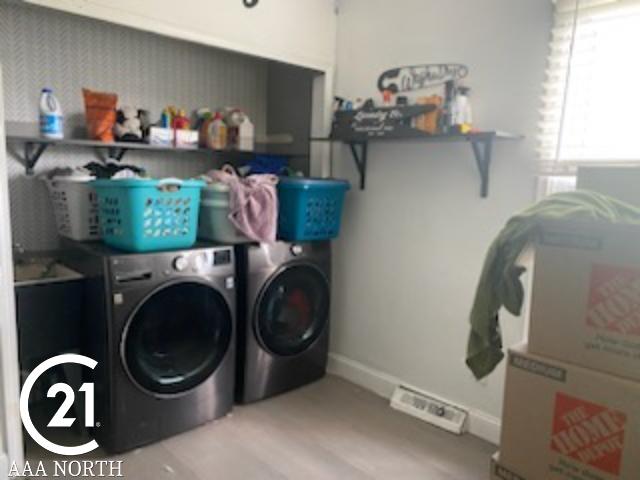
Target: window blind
<point>591,100</point>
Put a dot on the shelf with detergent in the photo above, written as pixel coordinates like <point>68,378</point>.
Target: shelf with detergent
<point>19,133</point>
<point>481,144</point>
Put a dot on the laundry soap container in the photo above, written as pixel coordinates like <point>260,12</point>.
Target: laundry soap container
<point>214,223</point>
<point>310,208</point>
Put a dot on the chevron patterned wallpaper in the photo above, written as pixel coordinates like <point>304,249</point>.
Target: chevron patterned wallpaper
<point>41,47</point>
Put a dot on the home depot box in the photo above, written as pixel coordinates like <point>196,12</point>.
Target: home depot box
<point>498,471</point>
<point>585,303</point>
<point>562,421</point>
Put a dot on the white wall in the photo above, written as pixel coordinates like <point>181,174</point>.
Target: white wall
<point>412,244</point>
<point>292,31</point>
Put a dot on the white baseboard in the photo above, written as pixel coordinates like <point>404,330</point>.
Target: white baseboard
<point>480,423</point>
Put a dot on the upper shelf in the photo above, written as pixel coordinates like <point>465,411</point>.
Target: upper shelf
<point>35,145</point>
<point>481,143</point>
<point>442,137</point>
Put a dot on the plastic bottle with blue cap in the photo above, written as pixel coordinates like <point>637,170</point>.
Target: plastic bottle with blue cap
<point>51,120</point>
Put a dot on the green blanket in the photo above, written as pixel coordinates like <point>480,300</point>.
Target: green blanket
<point>500,285</point>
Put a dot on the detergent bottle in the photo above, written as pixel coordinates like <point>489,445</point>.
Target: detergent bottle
<point>246,135</point>
<point>217,133</point>
<point>51,124</point>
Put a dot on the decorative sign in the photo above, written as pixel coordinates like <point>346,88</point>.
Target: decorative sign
<point>378,122</point>
<point>418,77</point>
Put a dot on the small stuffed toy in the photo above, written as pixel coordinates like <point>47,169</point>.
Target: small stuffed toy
<point>128,127</point>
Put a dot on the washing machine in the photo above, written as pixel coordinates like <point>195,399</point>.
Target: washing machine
<point>283,321</point>
<point>162,328</point>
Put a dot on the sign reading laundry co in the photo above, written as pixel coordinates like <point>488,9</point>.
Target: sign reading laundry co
<point>378,122</point>
<point>585,307</point>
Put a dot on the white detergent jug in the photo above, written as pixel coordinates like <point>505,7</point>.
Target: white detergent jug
<point>51,125</point>
<point>246,135</point>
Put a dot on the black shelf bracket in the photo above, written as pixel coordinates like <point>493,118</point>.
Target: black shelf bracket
<point>360,159</point>
<point>117,153</point>
<point>34,150</point>
<point>481,145</point>
<point>32,153</point>
<point>482,151</point>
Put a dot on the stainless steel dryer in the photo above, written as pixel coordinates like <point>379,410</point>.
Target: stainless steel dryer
<point>162,329</point>
<point>283,322</point>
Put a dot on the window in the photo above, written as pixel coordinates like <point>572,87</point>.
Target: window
<point>591,104</point>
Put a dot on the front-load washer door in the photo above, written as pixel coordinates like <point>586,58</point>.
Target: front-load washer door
<point>292,310</point>
<point>176,338</point>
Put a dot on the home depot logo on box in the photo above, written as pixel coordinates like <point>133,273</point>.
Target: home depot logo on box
<point>614,299</point>
<point>589,433</point>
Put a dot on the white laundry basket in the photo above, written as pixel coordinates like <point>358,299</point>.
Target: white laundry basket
<point>75,206</point>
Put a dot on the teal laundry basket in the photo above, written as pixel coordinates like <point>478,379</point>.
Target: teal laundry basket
<point>142,215</point>
<point>310,208</point>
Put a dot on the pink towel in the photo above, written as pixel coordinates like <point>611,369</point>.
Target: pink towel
<point>253,203</point>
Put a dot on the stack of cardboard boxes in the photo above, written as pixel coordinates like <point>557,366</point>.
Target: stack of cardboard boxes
<point>572,396</point>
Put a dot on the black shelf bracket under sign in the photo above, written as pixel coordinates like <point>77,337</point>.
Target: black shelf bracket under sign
<point>481,145</point>
<point>482,151</point>
<point>360,159</point>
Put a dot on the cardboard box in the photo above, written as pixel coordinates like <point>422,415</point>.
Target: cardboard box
<point>498,471</point>
<point>585,304</point>
<point>561,421</point>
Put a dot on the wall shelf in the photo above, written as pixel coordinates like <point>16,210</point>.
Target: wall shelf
<point>481,145</point>
<point>18,133</point>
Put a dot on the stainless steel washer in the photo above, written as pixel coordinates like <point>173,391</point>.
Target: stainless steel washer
<point>162,328</point>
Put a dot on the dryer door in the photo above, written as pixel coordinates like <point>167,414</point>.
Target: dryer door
<point>292,310</point>
<point>176,338</point>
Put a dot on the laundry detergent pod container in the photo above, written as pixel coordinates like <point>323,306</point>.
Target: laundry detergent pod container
<point>310,208</point>
<point>214,223</point>
<point>143,215</point>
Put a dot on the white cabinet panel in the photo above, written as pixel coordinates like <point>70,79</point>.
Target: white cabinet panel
<point>301,32</point>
